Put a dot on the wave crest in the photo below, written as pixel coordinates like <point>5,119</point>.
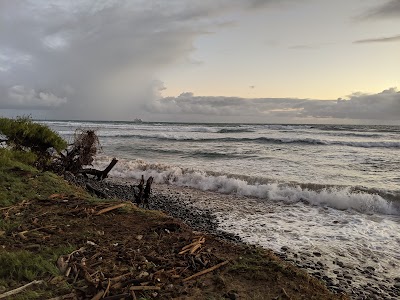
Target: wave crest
<point>337,197</point>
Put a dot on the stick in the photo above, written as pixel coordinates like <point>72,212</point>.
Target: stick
<point>98,296</point>
<point>118,278</point>
<point>117,297</point>
<point>286,294</point>
<point>104,210</point>
<point>20,289</point>
<point>206,271</point>
<point>145,288</point>
<point>195,247</point>
<point>201,241</point>
<point>133,295</point>
<point>108,288</point>
<point>184,251</point>
<point>67,296</point>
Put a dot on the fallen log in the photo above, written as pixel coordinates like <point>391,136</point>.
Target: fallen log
<point>205,271</point>
<point>20,289</point>
<point>98,173</point>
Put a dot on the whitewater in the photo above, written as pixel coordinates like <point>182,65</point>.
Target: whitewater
<point>327,189</point>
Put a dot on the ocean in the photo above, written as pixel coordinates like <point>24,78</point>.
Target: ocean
<point>330,189</point>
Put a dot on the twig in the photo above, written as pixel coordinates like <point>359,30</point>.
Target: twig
<point>206,271</point>
<point>73,252</point>
<point>108,288</point>
<point>118,278</point>
<point>117,297</point>
<point>195,247</point>
<point>22,233</point>
<point>20,289</point>
<point>145,288</point>
<point>24,202</point>
<point>133,295</point>
<point>286,294</point>
<point>104,210</point>
<point>67,296</point>
<point>98,296</point>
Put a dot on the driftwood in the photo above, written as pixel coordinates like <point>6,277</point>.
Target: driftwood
<point>99,174</point>
<point>95,191</point>
<point>147,191</point>
<point>80,153</point>
<point>206,271</point>
<point>193,247</point>
<point>104,210</point>
<point>20,289</point>
<point>143,194</point>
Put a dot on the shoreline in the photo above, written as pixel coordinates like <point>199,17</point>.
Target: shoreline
<point>338,276</point>
<point>83,247</point>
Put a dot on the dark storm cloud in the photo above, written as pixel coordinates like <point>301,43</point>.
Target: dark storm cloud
<point>381,106</point>
<point>395,38</point>
<point>97,59</point>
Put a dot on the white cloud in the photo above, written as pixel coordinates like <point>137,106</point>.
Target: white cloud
<point>19,96</point>
<point>381,106</point>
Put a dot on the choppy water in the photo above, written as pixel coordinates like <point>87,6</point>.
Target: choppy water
<point>331,188</point>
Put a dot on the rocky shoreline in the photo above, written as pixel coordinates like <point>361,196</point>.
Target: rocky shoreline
<point>338,276</point>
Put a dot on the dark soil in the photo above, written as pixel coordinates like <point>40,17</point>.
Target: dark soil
<point>132,253</point>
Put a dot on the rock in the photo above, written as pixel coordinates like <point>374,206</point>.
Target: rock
<point>143,274</point>
<point>317,254</point>
<point>340,264</point>
<point>231,295</point>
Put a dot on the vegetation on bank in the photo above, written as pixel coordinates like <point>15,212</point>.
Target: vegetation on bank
<point>43,218</point>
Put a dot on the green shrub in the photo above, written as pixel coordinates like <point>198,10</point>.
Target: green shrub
<point>22,134</point>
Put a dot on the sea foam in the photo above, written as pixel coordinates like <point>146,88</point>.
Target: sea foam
<point>338,197</point>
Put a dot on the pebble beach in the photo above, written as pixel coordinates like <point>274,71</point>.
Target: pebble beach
<point>202,211</point>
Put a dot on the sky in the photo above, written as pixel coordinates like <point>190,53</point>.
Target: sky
<point>262,61</point>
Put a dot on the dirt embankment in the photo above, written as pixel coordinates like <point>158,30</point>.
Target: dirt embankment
<point>130,253</point>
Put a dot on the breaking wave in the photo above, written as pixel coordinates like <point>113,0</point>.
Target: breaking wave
<point>337,197</point>
<point>311,141</point>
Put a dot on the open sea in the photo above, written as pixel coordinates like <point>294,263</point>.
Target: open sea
<point>331,189</point>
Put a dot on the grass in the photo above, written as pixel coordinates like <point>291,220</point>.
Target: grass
<point>25,266</point>
<point>21,181</point>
